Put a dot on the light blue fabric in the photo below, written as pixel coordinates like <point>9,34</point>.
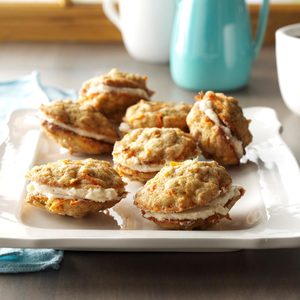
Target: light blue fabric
<point>27,92</point>
<point>29,260</point>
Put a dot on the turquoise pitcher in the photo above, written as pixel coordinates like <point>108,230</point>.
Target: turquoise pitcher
<point>212,46</point>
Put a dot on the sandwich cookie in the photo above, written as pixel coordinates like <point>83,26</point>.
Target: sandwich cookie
<point>144,151</point>
<point>74,188</point>
<point>218,124</point>
<point>78,129</point>
<point>188,195</point>
<point>113,93</point>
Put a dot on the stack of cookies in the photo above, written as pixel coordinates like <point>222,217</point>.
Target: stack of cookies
<point>156,143</point>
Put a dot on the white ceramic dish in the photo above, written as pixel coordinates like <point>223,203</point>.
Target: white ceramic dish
<point>268,216</point>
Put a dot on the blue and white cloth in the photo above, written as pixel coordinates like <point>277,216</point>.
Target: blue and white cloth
<point>29,260</point>
<point>27,92</point>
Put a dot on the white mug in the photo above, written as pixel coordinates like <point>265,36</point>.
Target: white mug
<point>288,65</point>
<point>146,27</point>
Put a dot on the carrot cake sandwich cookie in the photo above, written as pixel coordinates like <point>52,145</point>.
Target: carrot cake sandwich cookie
<point>156,114</point>
<point>188,195</point>
<point>74,188</point>
<point>144,151</point>
<point>218,124</point>
<point>112,93</point>
<point>81,130</point>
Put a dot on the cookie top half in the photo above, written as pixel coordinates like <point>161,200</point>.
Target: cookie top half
<point>145,146</point>
<point>116,81</point>
<point>182,186</point>
<point>85,174</point>
<point>71,114</point>
<point>157,114</point>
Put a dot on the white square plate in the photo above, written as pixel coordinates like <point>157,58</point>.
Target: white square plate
<point>268,216</point>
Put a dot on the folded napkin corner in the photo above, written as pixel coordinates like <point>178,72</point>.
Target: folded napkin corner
<point>29,260</point>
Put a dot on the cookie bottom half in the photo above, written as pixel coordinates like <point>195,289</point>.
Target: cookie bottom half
<point>133,174</point>
<point>75,143</point>
<point>200,224</point>
<point>76,208</point>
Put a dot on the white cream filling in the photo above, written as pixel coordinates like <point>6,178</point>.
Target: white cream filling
<point>206,106</point>
<point>102,88</point>
<point>146,169</point>
<point>97,194</point>
<point>96,136</point>
<point>124,127</point>
<point>215,206</point>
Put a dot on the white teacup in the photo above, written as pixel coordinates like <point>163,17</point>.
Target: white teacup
<point>288,65</point>
<point>146,27</point>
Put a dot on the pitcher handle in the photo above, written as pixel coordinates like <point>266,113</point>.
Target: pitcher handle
<point>111,12</point>
<point>262,25</point>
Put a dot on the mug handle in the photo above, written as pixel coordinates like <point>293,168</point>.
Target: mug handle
<point>110,11</point>
<point>262,25</point>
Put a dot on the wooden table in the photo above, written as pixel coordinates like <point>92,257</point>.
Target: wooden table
<point>245,274</point>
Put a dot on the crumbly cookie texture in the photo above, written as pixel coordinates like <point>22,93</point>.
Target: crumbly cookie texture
<point>133,174</point>
<point>87,173</point>
<point>78,129</point>
<point>215,142</point>
<point>188,195</point>
<point>66,207</point>
<point>154,146</point>
<point>156,114</point>
<point>181,186</point>
<point>113,93</point>
<point>197,223</point>
<point>59,187</point>
<point>75,143</point>
<point>117,78</point>
<point>74,115</point>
